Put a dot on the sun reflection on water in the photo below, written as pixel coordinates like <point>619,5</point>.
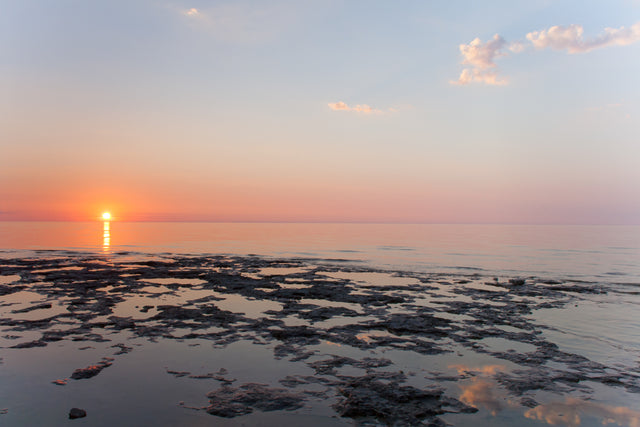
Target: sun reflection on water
<point>106,237</point>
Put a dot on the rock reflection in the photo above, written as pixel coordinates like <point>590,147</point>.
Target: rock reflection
<point>106,237</point>
<point>568,413</point>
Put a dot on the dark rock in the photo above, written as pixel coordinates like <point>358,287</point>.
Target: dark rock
<point>229,402</point>
<point>369,397</point>
<point>77,413</point>
<point>32,308</point>
<point>91,370</point>
<point>30,344</point>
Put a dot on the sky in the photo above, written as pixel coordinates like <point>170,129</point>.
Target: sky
<point>321,111</point>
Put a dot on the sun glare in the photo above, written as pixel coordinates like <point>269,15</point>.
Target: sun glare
<point>106,216</point>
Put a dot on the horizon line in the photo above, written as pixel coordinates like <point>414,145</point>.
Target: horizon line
<point>325,222</point>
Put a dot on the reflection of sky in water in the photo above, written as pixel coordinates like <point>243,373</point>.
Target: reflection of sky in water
<point>586,329</point>
<point>481,391</point>
<point>603,253</point>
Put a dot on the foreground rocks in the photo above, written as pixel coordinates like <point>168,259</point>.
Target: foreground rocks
<point>295,314</point>
<point>77,413</point>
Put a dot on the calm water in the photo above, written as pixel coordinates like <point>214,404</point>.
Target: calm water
<point>608,254</point>
<point>602,327</point>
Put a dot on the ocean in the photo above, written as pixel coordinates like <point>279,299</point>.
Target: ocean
<point>609,254</point>
<point>321,324</point>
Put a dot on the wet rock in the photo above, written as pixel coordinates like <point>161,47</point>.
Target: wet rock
<point>91,370</point>
<point>123,348</point>
<point>77,413</point>
<point>122,322</point>
<point>178,374</point>
<point>392,404</point>
<point>422,324</point>
<point>328,366</point>
<point>230,402</point>
<point>324,313</point>
<point>30,344</point>
<point>32,308</point>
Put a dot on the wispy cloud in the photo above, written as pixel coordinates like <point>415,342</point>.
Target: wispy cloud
<point>480,57</point>
<point>614,110</point>
<point>359,108</point>
<point>469,75</point>
<point>244,22</point>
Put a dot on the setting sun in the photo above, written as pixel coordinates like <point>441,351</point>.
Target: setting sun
<point>106,216</point>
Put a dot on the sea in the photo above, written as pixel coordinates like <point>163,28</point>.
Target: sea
<point>593,328</point>
<point>609,254</point>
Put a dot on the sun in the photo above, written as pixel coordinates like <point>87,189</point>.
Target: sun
<point>106,216</point>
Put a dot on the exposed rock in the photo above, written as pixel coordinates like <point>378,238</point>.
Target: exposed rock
<point>77,413</point>
<point>91,370</point>
<point>392,404</point>
<point>123,348</point>
<point>229,402</point>
<point>32,308</point>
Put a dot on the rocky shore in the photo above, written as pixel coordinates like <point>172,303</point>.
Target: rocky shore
<point>300,309</point>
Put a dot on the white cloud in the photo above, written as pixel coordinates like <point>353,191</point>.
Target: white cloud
<point>570,38</point>
<point>481,56</point>
<point>192,12</point>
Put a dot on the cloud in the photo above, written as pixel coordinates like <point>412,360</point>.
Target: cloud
<point>359,108</point>
<point>245,22</point>
<point>570,38</point>
<point>480,57</point>
<point>475,75</point>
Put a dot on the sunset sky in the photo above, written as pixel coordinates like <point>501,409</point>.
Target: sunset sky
<point>352,110</point>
